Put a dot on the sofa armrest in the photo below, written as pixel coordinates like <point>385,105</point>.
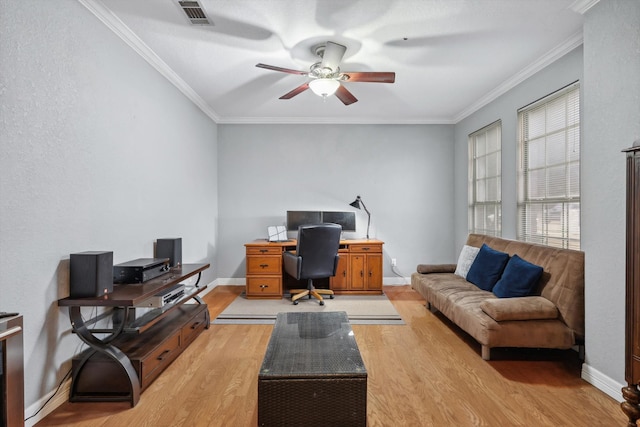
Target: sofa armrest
<point>521,308</point>
<point>436,268</point>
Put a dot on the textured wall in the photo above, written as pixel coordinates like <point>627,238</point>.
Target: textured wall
<point>553,77</point>
<point>403,173</point>
<point>98,152</point>
<point>611,123</point>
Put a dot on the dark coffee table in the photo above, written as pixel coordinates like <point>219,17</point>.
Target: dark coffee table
<point>312,373</point>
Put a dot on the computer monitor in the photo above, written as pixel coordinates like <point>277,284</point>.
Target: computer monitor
<point>345,219</point>
<point>298,218</point>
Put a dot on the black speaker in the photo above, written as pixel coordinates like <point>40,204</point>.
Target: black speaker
<point>170,248</point>
<point>91,274</point>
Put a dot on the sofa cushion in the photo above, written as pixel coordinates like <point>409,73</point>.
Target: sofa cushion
<point>435,268</point>
<point>487,267</point>
<point>525,308</point>
<point>519,278</point>
<point>467,256</point>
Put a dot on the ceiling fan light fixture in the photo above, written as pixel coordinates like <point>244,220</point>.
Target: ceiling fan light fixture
<point>324,87</point>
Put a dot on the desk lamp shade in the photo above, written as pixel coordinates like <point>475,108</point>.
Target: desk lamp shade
<point>357,203</point>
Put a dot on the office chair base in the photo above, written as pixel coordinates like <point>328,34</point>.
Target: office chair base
<point>296,294</point>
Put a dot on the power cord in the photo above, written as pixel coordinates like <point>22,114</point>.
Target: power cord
<point>394,270</point>
<point>81,346</point>
<point>52,396</point>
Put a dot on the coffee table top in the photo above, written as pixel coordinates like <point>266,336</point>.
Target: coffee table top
<point>315,345</point>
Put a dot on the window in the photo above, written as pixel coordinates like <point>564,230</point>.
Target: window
<point>549,170</point>
<point>485,180</point>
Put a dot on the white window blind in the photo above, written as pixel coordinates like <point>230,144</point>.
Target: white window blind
<point>485,180</point>
<point>549,170</point>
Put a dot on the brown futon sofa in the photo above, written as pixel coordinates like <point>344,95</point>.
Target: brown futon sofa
<point>551,316</point>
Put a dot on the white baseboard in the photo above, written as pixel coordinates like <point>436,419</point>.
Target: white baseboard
<point>396,281</point>
<point>602,382</point>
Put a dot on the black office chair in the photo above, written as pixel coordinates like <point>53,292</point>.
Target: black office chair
<point>316,257</point>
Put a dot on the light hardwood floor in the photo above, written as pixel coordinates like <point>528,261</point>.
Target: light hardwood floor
<point>424,373</point>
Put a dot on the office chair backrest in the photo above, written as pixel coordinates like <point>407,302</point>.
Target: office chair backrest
<point>318,246</point>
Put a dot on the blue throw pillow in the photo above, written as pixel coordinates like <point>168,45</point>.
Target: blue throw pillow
<point>487,267</point>
<point>519,279</point>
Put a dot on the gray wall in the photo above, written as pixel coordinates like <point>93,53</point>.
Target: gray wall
<point>611,122</point>
<point>98,152</point>
<point>553,77</point>
<point>404,175</point>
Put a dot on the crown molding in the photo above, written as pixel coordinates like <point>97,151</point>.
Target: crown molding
<point>550,57</point>
<point>97,8</point>
<point>581,6</point>
<point>334,120</point>
<point>114,23</point>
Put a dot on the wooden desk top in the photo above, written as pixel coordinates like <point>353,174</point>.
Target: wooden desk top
<point>294,242</point>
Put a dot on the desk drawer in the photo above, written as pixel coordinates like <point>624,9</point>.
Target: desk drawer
<point>155,362</point>
<point>193,328</point>
<point>365,248</point>
<point>263,250</point>
<point>264,264</point>
<point>264,286</point>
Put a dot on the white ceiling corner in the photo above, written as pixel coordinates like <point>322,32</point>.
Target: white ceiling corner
<point>440,52</point>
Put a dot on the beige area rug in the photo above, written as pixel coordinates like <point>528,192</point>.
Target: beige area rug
<point>360,309</point>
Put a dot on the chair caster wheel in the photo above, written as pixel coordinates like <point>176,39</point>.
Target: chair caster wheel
<point>330,296</point>
<point>321,302</point>
<point>295,303</point>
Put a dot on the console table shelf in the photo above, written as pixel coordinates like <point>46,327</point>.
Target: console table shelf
<point>122,361</point>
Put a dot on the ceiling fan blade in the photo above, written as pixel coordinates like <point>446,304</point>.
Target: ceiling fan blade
<point>296,91</point>
<point>284,70</point>
<point>333,53</point>
<point>345,96</point>
<point>371,77</point>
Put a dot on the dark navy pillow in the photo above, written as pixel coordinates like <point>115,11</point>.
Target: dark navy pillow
<point>519,279</point>
<point>487,267</point>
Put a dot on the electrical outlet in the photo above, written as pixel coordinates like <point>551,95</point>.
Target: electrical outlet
<point>394,262</point>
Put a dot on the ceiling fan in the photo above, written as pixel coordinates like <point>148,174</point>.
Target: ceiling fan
<point>326,77</point>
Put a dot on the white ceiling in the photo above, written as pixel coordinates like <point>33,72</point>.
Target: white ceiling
<point>450,56</point>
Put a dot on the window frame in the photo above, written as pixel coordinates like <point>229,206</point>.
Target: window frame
<point>549,190</point>
<point>483,204</point>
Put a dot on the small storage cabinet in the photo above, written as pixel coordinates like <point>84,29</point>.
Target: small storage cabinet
<point>264,270</point>
<point>122,361</point>
<point>340,282</point>
<point>366,267</point>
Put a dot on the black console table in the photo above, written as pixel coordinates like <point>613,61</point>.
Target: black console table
<point>124,359</point>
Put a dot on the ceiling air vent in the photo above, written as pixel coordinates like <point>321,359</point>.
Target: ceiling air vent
<point>195,13</point>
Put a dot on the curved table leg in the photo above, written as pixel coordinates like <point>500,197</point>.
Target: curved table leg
<point>105,348</point>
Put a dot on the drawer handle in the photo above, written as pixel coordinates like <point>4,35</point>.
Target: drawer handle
<point>264,287</point>
<point>264,265</point>
<point>344,273</point>
<point>361,273</point>
<point>370,273</point>
<point>264,250</point>
<point>163,354</point>
<point>195,325</point>
<point>366,248</point>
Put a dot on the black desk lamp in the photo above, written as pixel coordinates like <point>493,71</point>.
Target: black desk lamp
<point>356,204</point>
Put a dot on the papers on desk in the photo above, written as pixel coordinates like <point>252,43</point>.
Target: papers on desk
<point>277,233</point>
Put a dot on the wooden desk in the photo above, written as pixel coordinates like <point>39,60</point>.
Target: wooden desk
<point>359,269</point>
